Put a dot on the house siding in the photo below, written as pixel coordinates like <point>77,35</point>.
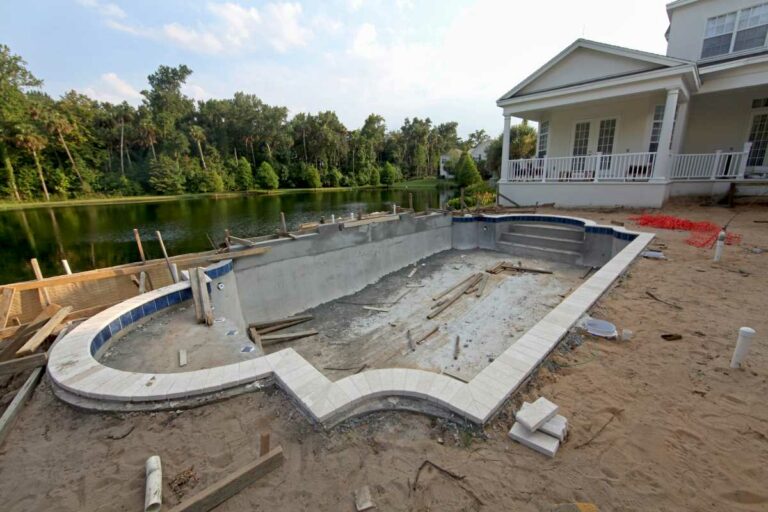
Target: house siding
<point>688,23</point>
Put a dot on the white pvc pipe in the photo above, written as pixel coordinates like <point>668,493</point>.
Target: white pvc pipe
<point>153,498</point>
<point>394,209</point>
<point>719,246</point>
<point>742,346</point>
<point>333,218</point>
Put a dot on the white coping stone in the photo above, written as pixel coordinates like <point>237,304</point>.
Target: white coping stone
<point>540,411</point>
<point>537,441</point>
<point>557,426</point>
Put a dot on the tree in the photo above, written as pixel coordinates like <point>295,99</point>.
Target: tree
<point>198,135</point>
<point>241,170</point>
<point>390,174</point>
<point>15,79</point>
<point>466,171</point>
<point>165,176</point>
<point>34,143</point>
<point>266,177</point>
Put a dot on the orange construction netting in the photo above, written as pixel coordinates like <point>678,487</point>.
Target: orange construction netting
<point>703,234</point>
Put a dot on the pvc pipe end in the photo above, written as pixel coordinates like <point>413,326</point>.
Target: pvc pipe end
<point>746,331</point>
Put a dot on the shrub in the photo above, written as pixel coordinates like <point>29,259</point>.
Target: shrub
<point>466,171</point>
<point>165,177</point>
<point>266,177</point>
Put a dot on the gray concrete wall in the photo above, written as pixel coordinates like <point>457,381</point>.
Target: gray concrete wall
<point>300,274</point>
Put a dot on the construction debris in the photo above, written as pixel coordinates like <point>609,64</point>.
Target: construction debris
<point>282,323</point>
<point>536,414</point>
<point>272,339</point>
<point>374,308</point>
<point>182,357</point>
<point>153,495</point>
<point>22,395</point>
<point>363,499</point>
<point>468,283</point>
<point>505,265</point>
<point>539,427</point>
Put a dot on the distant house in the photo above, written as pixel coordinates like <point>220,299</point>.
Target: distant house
<point>619,126</point>
<point>478,152</point>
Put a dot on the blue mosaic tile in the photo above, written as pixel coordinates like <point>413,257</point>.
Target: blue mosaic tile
<point>137,314</point>
<point>126,319</point>
<point>149,308</point>
<point>115,327</point>
<point>162,302</point>
<point>185,294</point>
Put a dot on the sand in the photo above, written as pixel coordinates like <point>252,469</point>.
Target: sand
<point>654,424</point>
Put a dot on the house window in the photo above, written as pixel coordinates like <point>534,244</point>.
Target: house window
<point>717,38</point>
<point>760,103</point>
<point>605,141</point>
<point>658,119</point>
<point>752,28</point>
<point>543,139</point>
<point>758,136</point>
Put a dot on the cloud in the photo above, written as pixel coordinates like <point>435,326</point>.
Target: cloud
<point>327,24</point>
<point>108,10</point>
<point>113,89</point>
<point>230,28</point>
<point>354,5</point>
<point>195,92</point>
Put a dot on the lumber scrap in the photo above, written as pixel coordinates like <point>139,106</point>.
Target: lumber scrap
<point>472,282</point>
<point>174,275</point>
<point>456,348</point>
<point>205,299</point>
<point>23,363</point>
<point>374,308</point>
<point>455,286</point>
<point>291,320</point>
<point>496,268</point>
<point>242,241</point>
<point>221,491</point>
<point>481,285</point>
<point>518,268</point>
<point>256,338</point>
<point>6,301</point>
<point>21,335</point>
<point>137,237</point>
<point>280,327</point>
<point>429,333</point>
<point>42,334</point>
<point>272,339</point>
<point>22,395</point>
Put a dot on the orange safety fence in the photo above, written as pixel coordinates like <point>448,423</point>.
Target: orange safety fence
<point>703,233</point>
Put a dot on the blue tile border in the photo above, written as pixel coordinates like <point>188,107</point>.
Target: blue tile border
<point>154,305</point>
<point>597,230</point>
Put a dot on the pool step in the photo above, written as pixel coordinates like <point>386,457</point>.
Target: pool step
<point>547,229</point>
<point>558,255</point>
<point>548,242</point>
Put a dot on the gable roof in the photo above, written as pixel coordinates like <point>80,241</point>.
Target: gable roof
<point>679,3</point>
<point>653,59</point>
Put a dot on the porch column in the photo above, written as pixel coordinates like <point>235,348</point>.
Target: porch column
<point>504,173</point>
<point>663,156</point>
<point>680,125</point>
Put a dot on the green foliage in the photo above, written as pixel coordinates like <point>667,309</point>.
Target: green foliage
<point>240,169</point>
<point>478,194</point>
<point>331,177</point>
<point>465,172</point>
<point>165,177</point>
<point>310,177</point>
<point>266,177</point>
<point>390,174</point>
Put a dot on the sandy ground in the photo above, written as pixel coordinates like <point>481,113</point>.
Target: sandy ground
<point>655,425</point>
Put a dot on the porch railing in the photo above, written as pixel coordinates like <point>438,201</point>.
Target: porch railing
<point>698,166</point>
<point>598,167</point>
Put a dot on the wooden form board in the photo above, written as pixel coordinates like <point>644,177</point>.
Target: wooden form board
<point>13,410</point>
<point>23,363</point>
<point>8,348</point>
<point>46,330</point>
<point>205,299</point>
<point>221,491</point>
<point>6,300</point>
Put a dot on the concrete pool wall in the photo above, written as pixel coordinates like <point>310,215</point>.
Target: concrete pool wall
<point>336,260</point>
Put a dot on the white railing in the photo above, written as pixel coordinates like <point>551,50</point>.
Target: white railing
<point>702,166</point>
<point>599,167</point>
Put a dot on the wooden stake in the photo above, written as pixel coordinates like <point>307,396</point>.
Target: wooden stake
<point>6,301</point>
<point>143,282</point>
<point>272,339</point>
<point>224,489</point>
<point>283,224</point>
<point>42,292</point>
<point>263,444</point>
<point>137,236</point>
<point>22,395</point>
<point>227,241</point>
<point>194,284</point>
<point>67,270</point>
<point>456,348</point>
<point>174,277</point>
<point>410,201</point>
<point>411,344</point>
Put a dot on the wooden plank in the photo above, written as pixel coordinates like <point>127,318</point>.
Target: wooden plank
<point>272,339</point>
<point>456,348</point>
<point>260,326</point>
<point>23,363</point>
<point>40,336</point>
<point>137,236</point>
<point>67,269</point>
<point>453,299</point>
<point>205,299</point>
<point>174,276</point>
<point>13,410</point>
<point>374,308</point>
<point>242,241</point>
<point>194,283</point>
<point>449,290</point>
<point>256,338</point>
<point>225,488</point>
<point>427,335</point>
<point>264,444</point>
<point>43,293</point>
<point>481,285</point>
<point>509,266</point>
<point>254,251</point>
<point>280,327</point>
<point>6,301</point>
<point>8,349</point>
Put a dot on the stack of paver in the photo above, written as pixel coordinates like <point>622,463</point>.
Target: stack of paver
<point>539,427</point>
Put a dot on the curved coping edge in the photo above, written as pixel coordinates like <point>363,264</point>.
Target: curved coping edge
<point>73,366</point>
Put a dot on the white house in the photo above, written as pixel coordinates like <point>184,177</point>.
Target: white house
<point>625,127</point>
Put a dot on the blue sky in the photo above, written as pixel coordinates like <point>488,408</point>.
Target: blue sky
<point>445,59</point>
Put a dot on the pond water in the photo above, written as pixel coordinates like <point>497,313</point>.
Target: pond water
<point>94,236</point>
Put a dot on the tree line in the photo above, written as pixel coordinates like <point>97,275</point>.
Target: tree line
<point>76,146</point>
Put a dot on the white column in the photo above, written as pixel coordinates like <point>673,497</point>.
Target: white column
<point>680,127</point>
<point>504,173</point>
<point>663,157</point>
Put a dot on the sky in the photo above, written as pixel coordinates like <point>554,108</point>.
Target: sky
<point>448,60</point>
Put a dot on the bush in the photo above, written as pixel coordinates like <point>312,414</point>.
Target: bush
<point>165,177</point>
<point>390,174</point>
<point>240,170</point>
<point>466,171</point>
<point>332,177</point>
<point>266,177</point>
<point>479,194</point>
<point>311,177</point>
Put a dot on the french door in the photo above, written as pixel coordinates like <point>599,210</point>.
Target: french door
<point>590,137</point>
<point>758,136</point>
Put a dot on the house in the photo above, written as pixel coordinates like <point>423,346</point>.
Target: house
<point>619,126</point>
<point>478,152</point>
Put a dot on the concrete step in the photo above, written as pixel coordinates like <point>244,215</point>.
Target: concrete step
<point>558,255</point>
<point>547,229</point>
<point>549,242</point>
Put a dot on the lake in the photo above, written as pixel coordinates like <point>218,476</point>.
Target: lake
<point>95,236</point>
